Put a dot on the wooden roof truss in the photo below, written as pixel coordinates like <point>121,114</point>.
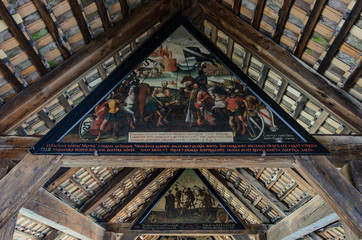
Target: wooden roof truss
<point>55,53</point>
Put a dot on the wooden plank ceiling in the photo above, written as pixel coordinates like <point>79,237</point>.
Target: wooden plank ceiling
<point>38,38</point>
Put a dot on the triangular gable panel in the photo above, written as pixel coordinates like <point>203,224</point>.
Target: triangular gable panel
<point>178,94</point>
<point>188,202</point>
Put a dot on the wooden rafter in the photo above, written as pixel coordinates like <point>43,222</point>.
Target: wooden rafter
<point>83,26</point>
<point>53,30</point>
<point>124,8</point>
<point>7,231</point>
<point>52,235</point>
<point>45,208</point>
<point>313,215</point>
<point>59,177</point>
<point>128,200</point>
<point>353,77</point>
<point>258,13</point>
<point>107,190</point>
<point>328,182</point>
<point>19,35</point>
<point>10,77</point>
<point>249,207</point>
<point>313,18</point>
<point>236,7</point>
<point>25,178</point>
<point>282,19</point>
<point>341,35</point>
<point>262,191</point>
<point>340,103</point>
<point>102,10</point>
<point>35,96</point>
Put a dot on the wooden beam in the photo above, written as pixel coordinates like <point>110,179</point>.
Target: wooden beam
<point>19,35</point>
<point>313,215</point>
<point>282,19</point>
<point>268,197</point>
<point>7,231</point>
<point>125,229</point>
<point>45,208</point>
<point>53,84</point>
<point>236,7</point>
<point>178,161</point>
<point>124,8</point>
<point>103,14</point>
<point>281,90</point>
<point>300,181</point>
<point>300,103</point>
<point>263,74</point>
<point>107,190</point>
<point>83,26</point>
<point>25,178</point>
<point>59,177</point>
<point>258,13</point>
<point>53,30</point>
<point>337,101</point>
<point>355,170</point>
<point>313,17</point>
<point>340,36</point>
<point>241,237</point>
<point>52,235</point>
<point>353,77</point>
<point>10,77</point>
<point>239,196</point>
<point>111,236</point>
<point>343,198</point>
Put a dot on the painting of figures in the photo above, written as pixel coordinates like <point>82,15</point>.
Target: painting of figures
<point>181,88</point>
<point>187,204</point>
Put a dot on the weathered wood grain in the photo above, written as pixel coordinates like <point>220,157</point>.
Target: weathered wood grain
<point>337,101</point>
<point>50,86</point>
<point>25,178</point>
<point>311,216</point>
<point>45,208</point>
<point>330,184</point>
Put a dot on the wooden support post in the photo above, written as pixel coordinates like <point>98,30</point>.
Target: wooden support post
<point>213,36</point>
<point>313,18</point>
<point>341,35</point>
<point>25,178</point>
<point>258,13</point>
<point>83,26</point>
<point>246,62</point>
<point>103,14</point>
<point>282,19</point>
<point>311,216</point>
<point>45,208</point>
<point>53,30</point>
<point>19,35</point>
<point>43,116</point>
<point>107,190</point>
<point>10,77</point>
<point>344,199</point>
<point>337,101</point>
<point>31,99</point>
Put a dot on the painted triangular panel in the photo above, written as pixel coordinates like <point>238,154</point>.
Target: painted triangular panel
<point>188,202</point>
<point>178,94</point>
